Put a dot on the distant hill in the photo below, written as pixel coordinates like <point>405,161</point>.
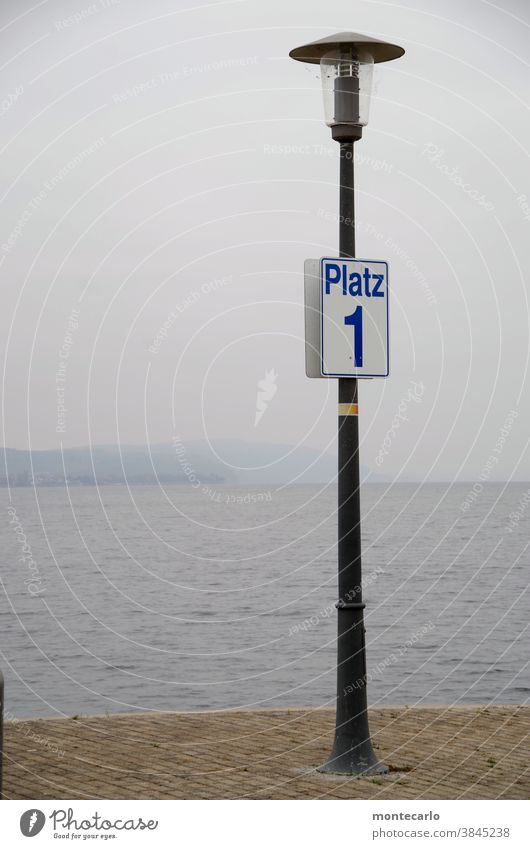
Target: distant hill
<point>225,461</point>
<point>104,464</point>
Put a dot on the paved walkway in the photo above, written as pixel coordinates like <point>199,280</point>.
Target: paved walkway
<point>433,753</point>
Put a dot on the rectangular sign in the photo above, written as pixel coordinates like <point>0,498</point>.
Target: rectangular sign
<point>340,342</point>
<point>353,317</point>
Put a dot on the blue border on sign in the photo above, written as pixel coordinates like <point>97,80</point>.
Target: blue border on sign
<point>352,374</point>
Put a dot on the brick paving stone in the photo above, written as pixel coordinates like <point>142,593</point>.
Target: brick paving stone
<point>468,752</point>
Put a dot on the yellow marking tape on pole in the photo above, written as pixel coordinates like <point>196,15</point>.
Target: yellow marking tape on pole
<point>348,409</point>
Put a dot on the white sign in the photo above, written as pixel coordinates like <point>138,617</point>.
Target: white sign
<point>351,308</point>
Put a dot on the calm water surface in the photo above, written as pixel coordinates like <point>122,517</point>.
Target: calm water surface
<point>180,599</point>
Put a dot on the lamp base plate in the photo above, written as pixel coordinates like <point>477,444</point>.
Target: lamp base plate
<point>346,132</point>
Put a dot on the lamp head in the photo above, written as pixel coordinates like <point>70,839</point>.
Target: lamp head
<point>346,62</point>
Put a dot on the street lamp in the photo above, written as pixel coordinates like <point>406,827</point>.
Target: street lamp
<point>346,62</point>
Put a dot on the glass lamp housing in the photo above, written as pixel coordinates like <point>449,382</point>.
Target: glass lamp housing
<point>346,76</point>
<point>346,62</point>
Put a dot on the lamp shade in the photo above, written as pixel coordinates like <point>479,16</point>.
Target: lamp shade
<point>381,51</point>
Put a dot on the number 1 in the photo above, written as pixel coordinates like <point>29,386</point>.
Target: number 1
<point>356,318</point>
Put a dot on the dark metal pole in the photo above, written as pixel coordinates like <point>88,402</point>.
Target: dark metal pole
<point>352,752</point>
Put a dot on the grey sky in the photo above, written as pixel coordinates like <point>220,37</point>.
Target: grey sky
<point>169,168</point>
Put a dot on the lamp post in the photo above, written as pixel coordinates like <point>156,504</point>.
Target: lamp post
<point>346,62</point>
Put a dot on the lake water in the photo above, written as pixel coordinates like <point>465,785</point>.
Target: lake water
<point>180,599</point>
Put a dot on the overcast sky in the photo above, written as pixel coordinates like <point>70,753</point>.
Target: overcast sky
<point>166,170</point>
